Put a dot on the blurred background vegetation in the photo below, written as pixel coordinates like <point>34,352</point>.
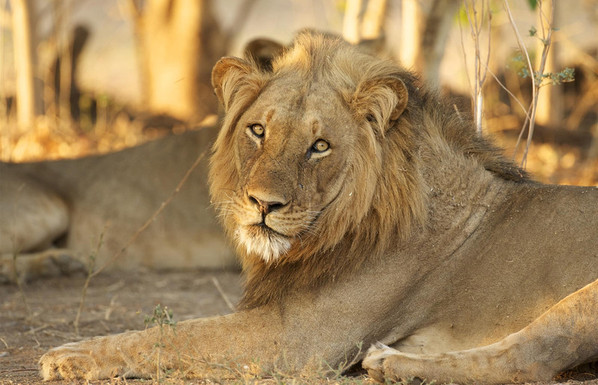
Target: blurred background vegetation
<point>82,77</point>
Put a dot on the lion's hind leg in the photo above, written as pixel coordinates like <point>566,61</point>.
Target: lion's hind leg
<point>44,264</point>
<point>32,217</point>
<point>563,337</point>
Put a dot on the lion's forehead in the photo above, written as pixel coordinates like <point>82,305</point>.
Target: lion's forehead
<point>314,109</point>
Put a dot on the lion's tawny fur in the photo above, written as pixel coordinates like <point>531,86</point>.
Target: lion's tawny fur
<point>365,210</point>
<point>392,210</point>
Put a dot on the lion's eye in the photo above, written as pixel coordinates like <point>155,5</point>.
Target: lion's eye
<point>320,146</point>
<point>257,130</point>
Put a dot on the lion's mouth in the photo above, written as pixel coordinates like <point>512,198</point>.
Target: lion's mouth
<point>264,241</point>
<point>263,228</point>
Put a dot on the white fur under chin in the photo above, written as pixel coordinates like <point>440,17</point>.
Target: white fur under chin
<point>268,246</point>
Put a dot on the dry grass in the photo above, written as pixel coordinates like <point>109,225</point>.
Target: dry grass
<point>51,139</point>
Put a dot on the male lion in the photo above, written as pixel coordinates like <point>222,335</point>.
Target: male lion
<point>54,214</point>
<point>366,210</point>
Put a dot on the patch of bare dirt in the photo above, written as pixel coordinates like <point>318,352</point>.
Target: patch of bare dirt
<point>42,316</point>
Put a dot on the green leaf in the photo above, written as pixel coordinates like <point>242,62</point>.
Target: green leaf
<point>533,4</point>
<point>533,31</point>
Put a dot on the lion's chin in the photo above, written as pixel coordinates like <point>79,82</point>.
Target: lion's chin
<point>262,241</point>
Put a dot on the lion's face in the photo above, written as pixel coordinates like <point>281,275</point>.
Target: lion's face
<point>292,152</point>
<point>298,157</point>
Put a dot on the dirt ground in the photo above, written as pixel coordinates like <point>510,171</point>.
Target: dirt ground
<point>41,316</point>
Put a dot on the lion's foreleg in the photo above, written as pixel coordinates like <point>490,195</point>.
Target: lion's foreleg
<point>210,347</point>
<point>561,338</point>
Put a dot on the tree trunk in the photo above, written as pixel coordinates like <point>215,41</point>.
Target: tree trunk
<point>181,44</point>
<point>28,103</point>
<point>435,35</point>
<point>364,20</point>
<point>351,23</point>
<point>411,32</point>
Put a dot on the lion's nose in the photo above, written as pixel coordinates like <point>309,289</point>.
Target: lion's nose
<point>267,203</point>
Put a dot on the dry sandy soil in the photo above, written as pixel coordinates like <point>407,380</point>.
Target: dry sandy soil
<point>41,316</point>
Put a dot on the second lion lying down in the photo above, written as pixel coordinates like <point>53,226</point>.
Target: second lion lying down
<point>366,211</point>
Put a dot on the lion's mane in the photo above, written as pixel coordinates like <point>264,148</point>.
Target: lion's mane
<point>348,234</point>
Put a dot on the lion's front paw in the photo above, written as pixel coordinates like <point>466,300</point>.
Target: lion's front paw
<point>93,359</point>
<point>68,362</point>
<point>374,360</point>
<point>385,363</point>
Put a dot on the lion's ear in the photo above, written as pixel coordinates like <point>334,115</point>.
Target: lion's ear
<point>263,52</point>
<point>381,99</point>
<point>227,76</point>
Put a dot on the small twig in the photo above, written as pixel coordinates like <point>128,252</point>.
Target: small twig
<point>37,329</point>
<point>161,316</point>
<point>20,286</point>
<point>118,254</point>
<point>508,92</point>
<point>536,83</point>
<point>531,109</point>
<point>110,307</point>
<point>36,341</point>
<point>20,370</point>
<point>90,267</point>
<point>224,296</point>
<point>480,66</point>
<point>465,64</point>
